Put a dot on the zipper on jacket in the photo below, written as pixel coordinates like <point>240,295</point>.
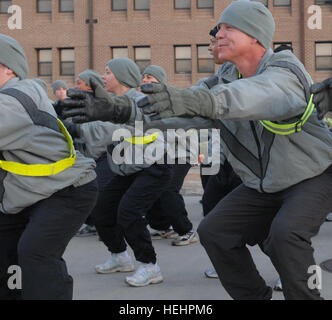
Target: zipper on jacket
<point>259,154</point>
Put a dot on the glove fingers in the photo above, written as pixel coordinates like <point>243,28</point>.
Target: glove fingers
<point>76,94</point>
<point>99,91</point>
<point>153,88</point>
<point>157,107</point>
<point>80,119</point>
<point>152,99</point>
<point>68,113</point>
<point>70,103</point>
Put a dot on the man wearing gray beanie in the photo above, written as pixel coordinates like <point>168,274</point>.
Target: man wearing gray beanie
<point>274,141</point>
<point>135,185</point>
<point>157,73</point>
<point>59,88</point>
<point>47,188</point>
<point>83,80</point>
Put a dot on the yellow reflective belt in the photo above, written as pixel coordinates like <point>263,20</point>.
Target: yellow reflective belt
<point>40,170</point>
<point>286,129</point>
<point>142,140</point>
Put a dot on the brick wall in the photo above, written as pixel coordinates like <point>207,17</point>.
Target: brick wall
<point>160,28</point>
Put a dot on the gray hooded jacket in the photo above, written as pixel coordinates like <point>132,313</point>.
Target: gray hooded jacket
<point>27,137</point>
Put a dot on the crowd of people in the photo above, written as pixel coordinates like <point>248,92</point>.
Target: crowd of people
<point>59,177</point>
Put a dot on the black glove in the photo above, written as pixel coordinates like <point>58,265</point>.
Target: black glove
<point>165,101</point>
<point>85,106</point>
<point>58,108</point>
<point>73,128</point>
<point>322,97</point>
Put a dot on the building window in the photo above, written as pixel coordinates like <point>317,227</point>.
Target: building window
<point>205,4</point>
<point>142,57</point>
<point>44,62</point>
<point>324,56</point>
<point>119,52</point>
<point>205,63</point>
<point>142,5</point>
<point>282,3</point>
<point>182,4</point>
<point>323,2</point>
<point>44,6</point>
<point>4,5</point>
<point>67,62</point>
<point>265,2</point>
<point>119,5</point>
<point>182,59</point>
<point>66,5</point>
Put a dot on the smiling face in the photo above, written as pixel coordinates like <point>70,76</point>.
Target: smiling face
<point>233,44</point>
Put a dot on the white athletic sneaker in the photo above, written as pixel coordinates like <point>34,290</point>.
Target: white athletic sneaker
<point>186,239</point>
<point>329,217</point>
<point>118,262</point>
<point>163,234</point>
<point>147,273</point>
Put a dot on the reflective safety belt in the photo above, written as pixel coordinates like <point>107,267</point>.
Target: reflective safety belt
<point>39,170</point>
<point>142,140</point>
<point>289,128</point>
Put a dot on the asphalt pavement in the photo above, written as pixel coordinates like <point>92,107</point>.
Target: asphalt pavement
<point>182,268</point>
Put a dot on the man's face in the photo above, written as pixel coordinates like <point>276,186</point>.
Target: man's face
<point>148,78</point>
<point>61,93</point>
<point>110,81</point>
<point>213,49</point>
<point>81,85</point>
<point>232,43</point>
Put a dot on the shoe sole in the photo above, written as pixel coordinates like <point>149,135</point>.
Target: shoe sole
<point>185,243</point>
<point>156,280</point>
<point>122,269</point>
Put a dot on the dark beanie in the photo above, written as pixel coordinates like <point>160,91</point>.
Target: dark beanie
<point>126,71</point>
<point>213,32</point>
<point>157,72</point>
<point>252,18</point>
<point>89,74</point>
<point>13,56</point>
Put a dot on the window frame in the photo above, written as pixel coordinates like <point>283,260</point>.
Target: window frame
<point>40,63</point>
<point>175,59</point>
<point>61,62</point>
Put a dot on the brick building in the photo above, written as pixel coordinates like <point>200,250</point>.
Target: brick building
<point>63,37</point>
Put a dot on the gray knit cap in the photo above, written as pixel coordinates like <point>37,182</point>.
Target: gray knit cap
<point>252,18</point>
<point>126,71</point>
<point>13,57</point>
<point>157,72</point>
<point>59,84</point>
<point>89,74</point>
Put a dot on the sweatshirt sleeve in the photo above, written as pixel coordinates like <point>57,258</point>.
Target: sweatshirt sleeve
<point>276,94</point>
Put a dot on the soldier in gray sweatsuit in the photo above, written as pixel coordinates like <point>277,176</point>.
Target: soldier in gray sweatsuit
<point>274,142</point>
<point>46,191</point>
